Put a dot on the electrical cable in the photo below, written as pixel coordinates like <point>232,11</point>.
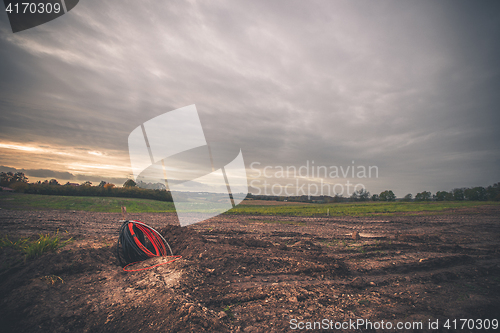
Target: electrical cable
<point>138,242</point>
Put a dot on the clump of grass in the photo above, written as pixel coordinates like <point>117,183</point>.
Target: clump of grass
<point>227,310</point>
<point>44,243</point>
<point>35,248</point>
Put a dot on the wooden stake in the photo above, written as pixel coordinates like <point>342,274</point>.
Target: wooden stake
<point>124,212</point>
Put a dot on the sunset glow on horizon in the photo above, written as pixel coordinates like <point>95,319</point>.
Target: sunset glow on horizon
<point>42,161</point>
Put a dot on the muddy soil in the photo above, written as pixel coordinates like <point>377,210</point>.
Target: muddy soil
<point>256,274</point>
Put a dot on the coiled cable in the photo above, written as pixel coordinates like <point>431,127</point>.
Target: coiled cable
<point>138,242</point>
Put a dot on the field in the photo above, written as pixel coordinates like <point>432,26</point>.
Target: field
<point>89,204</point>
<point>356,209</point>
<point>247,207</point>
<point>259,268</point>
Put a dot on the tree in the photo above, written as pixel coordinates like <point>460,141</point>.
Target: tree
<point>19,177</point>
<point>375,197</point>
<point>9,178</point>
<point>129,183</point>
<point>477,194</point>
<point>408,197</point>
<point>102,183</point>
<point>387,195</point>
<point>53,182</point>
<point>338,198</point>
<point>109,186</point>
<point>443,195</point>
<point>360,195</point>
<point>87,183</point>
<point>423,196</point>
<point>458,194</point>
<point>493,192</point>
<point>363,195</point>
<point>6,178</point>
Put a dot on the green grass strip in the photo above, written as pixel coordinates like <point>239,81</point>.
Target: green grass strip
<point>358,209</point>
<point>88,204</point>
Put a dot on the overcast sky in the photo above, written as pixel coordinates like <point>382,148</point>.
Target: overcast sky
<point>411,87</point>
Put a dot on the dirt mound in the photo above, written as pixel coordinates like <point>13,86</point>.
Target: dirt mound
<point>81,288</point>
<point>183,241</point>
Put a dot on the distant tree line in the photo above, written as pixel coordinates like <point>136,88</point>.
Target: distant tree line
<point>490,193</point>
<point>479,193</point>
<point>19,182</point>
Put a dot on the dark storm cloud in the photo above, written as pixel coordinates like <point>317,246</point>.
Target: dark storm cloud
<point>408,86</point>
<point>43,173</point>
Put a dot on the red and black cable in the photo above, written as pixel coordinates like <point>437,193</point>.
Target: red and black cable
<point>138,242</point>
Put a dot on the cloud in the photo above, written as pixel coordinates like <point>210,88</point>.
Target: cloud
<point>62,176</point>
<point>408,86</point>
<point>44,173</point>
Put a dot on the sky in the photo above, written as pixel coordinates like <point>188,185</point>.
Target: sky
<point>409,88</point>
